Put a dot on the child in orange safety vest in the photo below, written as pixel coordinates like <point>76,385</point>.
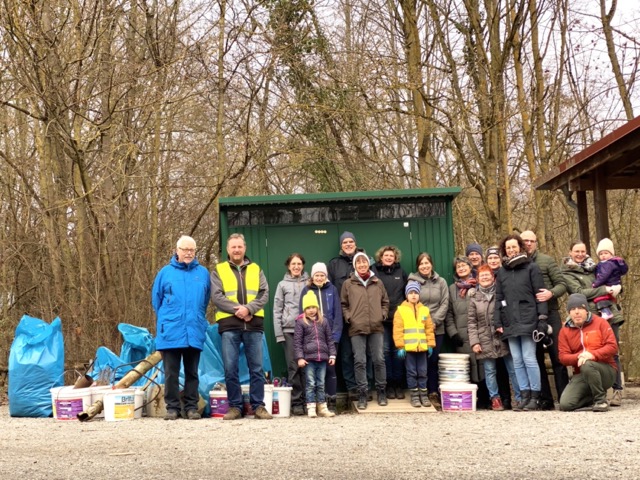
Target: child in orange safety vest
<point>414,337</point>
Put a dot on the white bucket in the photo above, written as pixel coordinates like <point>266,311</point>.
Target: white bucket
<point>97,393</point>
<point>458,397</point>
<point>219,403</point>
<point>454,368</point>
<point>246,401</point>
<point>281,404</point>
<point>119,404</point>
<point>139,403</point>
<point>68,402</point>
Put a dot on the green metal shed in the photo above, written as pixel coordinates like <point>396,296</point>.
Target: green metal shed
<point>275,226</point>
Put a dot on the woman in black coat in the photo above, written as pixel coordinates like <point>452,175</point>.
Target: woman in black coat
<point>518,315</point>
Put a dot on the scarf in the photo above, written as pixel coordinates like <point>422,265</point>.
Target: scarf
<point>588,265</point>
<point>364,276</point>
<point>464,285</point>
<point>488,292</point>
<point>515,261</point>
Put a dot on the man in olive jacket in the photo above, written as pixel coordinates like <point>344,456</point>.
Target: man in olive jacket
<point>554,289</point>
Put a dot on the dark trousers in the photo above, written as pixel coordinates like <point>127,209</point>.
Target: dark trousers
<point>416,365</point>
<point>589,386</point>
<point>295,374</point>
<point>345,356</point>
<point>432,367</point>
<point>393,364</point>
<point>617,385</point>
<point>560,374</point>
<point>171,359</point>
<point>502,377</point>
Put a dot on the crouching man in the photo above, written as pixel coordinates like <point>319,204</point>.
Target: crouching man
<point>587,343</point>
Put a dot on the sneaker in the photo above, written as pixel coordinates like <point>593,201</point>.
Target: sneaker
<point>616,399</point>
<point>193,415</point>
<point>171,415</point>
<point>601,407</point>
<point>233,414</point>
<point>262,414</point>
<point>496,404</point>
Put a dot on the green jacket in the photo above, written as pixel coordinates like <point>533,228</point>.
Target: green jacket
<point>552,277</point>
<point>579,280</point>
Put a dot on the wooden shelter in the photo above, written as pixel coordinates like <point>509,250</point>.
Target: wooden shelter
<point>612,163</point>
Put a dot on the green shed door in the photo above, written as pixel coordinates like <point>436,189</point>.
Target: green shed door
<point>373,235</point>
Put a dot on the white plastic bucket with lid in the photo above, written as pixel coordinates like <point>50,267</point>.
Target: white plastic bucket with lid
<point>454,368</point>
<point>119,404</point>
<point>97,393</point>
<point>139,403</point>
<point>281,404</point>
<point>68,402</point>
<point>219,403</point>
<point>458,397</point>
<point>246,400</point>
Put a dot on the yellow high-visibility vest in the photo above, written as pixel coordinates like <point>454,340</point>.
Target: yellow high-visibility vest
<point>230,286</point>
<point>415,339</point>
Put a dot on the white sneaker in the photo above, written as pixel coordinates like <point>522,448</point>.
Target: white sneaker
<point>616,399</point>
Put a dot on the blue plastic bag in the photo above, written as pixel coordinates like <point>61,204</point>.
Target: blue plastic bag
<point>36,364</point>
<point>138,344</point>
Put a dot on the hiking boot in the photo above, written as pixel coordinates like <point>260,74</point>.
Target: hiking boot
<point>496,404</point>
<point>525,398</point>
<point>332,404</point>
<point>311,410</point>
<point>354,395</point>
<point>434,398</point>
<point>233,414</point>
<point>391,391</point>
<point>399,391</point>
<point>298,410</point>
<point>532,404</point>
<point>424,398</point>
<point>193,415</point>
<point>262,414</point>
<point>369,396</point>
<point>601,406</point>
<point>362,400</point>
<point>323,411</point>
<point>415,398</point>
<point>506,403</point>
<point>382,397</point>
<point>616,399</point>
<point>171,415</point>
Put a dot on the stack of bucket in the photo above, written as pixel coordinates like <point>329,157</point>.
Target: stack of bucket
<point>277,401</point>
<point>457,394</point>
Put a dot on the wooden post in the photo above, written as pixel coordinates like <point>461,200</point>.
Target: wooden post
<point>583,219</point>
<point>600,205</point>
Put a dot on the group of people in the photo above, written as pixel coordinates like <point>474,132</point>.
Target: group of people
<point>376,324</point>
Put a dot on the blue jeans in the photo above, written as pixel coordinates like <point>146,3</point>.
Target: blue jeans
<point>416,365</point>
<point>523,350</point>
<point>491,377</point>
<point>315,373</point>
<point>393,364</point>
<point>433,378</point>
<point>252,341</point>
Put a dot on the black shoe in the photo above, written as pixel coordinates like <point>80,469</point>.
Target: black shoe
<point>362,401</point>
<point>370,396</point>
<point>546,405</point>
<point>391,392</point>
<point>298,411</point>
<point>400,393</point>
<point>332,404</point>
<point>354,395</point>
<point>532,405</point>
<point>382,397</point>
<point>506,403</point>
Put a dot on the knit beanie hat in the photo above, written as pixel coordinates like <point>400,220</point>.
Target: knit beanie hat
<point>605,244</point>
<point>346,235</point>
<point>577,300</point>
<point>492,251</point>
<point>357,255</point>
<point>473,247</point>
<point>318,268</point>
<point>412,286</point>
<point>309,300</point>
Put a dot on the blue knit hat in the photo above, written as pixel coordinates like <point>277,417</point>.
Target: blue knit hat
<point>473,247</point>
<point>346,235</point>
<point>412,286</point>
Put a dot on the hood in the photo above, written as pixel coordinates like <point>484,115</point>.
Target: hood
<point>289,278</point>
<point>569,323</point>
<point>182,265</point>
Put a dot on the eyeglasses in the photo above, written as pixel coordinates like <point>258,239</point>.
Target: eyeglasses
<point>187,250</point>
<point>529,241</point>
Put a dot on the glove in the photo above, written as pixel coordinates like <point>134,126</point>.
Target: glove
<point>401,353</point>
<point>614,290</point>
<point>429,351</point>
<point>457,340</point>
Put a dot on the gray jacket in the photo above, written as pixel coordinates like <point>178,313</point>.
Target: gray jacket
<point>434,294</point>
<point>286,304</point>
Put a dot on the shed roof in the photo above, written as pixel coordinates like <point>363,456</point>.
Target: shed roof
<point>335,197</point>
<point>615,158</point>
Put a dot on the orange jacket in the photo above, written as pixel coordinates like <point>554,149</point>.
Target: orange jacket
<point>595,336</point>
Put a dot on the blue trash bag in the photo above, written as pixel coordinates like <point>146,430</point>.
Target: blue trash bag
<point>138,344</point>
<point>36,364</point>
<point>211,367</point>
<point>106,366</point>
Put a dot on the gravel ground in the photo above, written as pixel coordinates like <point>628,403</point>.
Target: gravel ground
<point>480,445</point>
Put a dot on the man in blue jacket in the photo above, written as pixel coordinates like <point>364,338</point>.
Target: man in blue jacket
<point>180,296</point>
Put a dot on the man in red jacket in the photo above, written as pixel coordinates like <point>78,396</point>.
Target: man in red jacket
<point>588,344</point>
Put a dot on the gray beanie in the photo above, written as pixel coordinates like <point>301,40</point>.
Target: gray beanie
<point>346,235</point>
<point>577,300</point>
